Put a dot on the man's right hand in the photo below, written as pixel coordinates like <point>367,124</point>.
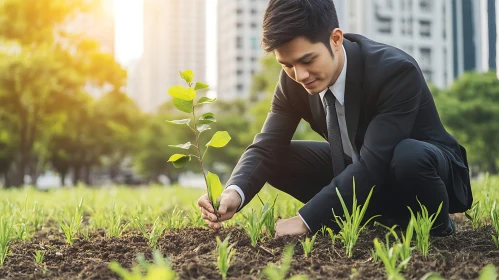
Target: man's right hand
<point>229,202</point>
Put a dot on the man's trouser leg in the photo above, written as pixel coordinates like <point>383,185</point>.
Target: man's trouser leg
<point>417,169</point>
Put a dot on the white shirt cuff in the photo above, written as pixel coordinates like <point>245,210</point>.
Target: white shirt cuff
<point>239,191</point>
<point>304,221</point>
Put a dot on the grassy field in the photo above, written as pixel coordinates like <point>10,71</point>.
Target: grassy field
<point>157,233</point>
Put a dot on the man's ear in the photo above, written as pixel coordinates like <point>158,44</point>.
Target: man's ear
<point>336,39</point>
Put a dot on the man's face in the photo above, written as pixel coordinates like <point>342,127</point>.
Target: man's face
<point>311,64</point>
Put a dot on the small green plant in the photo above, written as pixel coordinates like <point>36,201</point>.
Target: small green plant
<point>423,224</point>
<point>115,224</point>
<point>494,218</point>
<point>155,233</point>
<point>391,256</point>
<point>37,213</point>
<point>224,255</point>
<point>404,241</point>
<point>476,215</point>
<point>195,217</point>
<point>176,219</point>
<point>159,269</point>
<point>350,227</point>
<point>5,237</point>
<point>308,245</point>
<point>183,100</point>
<point>254,224</point>
<point>268,216</point>
<point>332,235</point>
<point>275,272</point>
<point>39,256</point>
<point>72,228</point>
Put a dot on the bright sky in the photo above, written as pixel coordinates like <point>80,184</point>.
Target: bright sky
<point>128,32</point>
<point>128,37</point>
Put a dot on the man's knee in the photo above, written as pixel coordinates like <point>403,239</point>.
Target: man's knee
<point>411,159</point>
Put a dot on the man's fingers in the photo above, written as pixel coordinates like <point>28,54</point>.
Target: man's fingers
<point>204,202</point>
<point>214,226</point>
<point>208,216</point>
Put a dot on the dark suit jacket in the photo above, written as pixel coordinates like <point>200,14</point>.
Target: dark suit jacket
<point>386,101</point>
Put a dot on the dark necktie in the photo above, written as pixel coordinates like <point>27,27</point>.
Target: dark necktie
<point>334,135</point>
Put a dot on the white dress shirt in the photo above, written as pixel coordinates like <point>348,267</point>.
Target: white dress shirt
<point>338,89</point>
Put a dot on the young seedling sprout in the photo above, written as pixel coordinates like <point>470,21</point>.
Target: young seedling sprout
<point>423,224</point>
<point>350,227</point>
<point>224,255</point>
<point>275,272</point>
<point>5,237</point>
<point>183,99</point>
<point>39,256</point>
<point>308,244</point>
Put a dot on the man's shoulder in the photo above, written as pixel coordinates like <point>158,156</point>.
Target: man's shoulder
<point>379,54</point>
<point>379,60</point>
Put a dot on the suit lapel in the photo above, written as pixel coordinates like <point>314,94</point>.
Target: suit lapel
<point>353,88</point>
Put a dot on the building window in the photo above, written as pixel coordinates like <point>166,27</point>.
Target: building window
<point>239,25</point>
<point>425,28</point>
<point>253,25</point>
<point>239,11</point>
<point>239,58</point>
<point>253,11</point>
<point>253,59</point>
<point>425,5</point>
<point>239,42</point>
<point>239,72</point>
<point>240,87</point>
<point>425,57</point>
<point>254,43</point>
<point>384,23</point>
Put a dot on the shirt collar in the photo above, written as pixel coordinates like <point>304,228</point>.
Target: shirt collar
<point>338,88</point>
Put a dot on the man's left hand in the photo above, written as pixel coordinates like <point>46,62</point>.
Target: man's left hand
<point>291,226</point>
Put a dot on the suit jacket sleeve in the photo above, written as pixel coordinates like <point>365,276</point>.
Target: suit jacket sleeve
<point>252,169</point>
<point>396,109</point>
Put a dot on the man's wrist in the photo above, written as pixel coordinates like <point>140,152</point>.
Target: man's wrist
<point>240,193</point>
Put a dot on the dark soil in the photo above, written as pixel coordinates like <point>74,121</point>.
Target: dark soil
<point>191,251</point>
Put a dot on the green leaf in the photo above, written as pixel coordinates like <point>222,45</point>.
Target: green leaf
<point>180,92</point>
<point>219,139</point>
<point>200,85</point>
<point>203,127</point>
<point>180,122</point>
<point>207,118</point>
<point>179,160</point>
<point>488,272</point>
<point>205,100</point>
<point>185,146</point>
<point>182,105</point>
<point>187,75</point>
<point>215,188</point>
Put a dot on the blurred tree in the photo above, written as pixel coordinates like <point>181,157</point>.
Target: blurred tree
<point>470,111</point>
<point>152,152</point>
<point>33,22</point>
<point>45,64</point>
<point>122,118</point>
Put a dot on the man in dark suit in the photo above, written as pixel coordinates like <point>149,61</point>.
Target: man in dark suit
<point>372,104</point>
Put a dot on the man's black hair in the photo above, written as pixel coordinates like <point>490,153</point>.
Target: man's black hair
<point>285,20</point>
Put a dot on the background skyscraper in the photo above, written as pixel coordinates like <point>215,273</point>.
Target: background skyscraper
<point>239,51</point>
<point>174,40</point>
